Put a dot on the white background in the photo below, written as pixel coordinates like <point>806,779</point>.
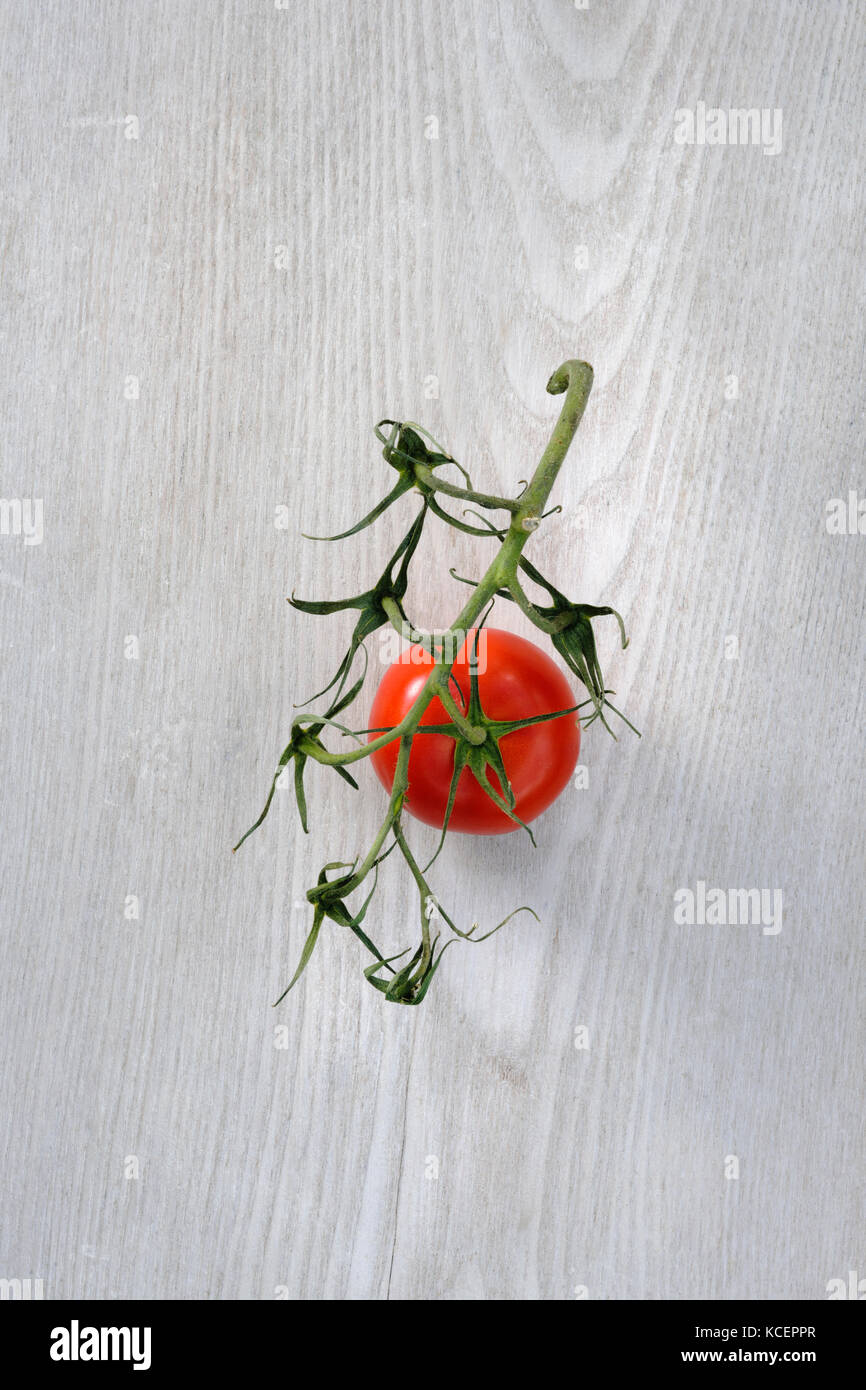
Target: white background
<point>407,258</point>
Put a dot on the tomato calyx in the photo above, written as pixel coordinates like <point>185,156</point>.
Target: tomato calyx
<point>477,739</point>
<point>306,743</point>
<point>569,627</point>
<point>388,592</point>
<point>404,449</point>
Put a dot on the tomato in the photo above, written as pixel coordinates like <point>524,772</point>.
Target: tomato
<point>516,680</point>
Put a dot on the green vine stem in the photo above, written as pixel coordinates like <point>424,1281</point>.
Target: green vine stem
<point>476,737</point>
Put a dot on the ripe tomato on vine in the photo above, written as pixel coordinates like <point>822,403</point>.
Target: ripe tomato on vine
<point>516,681</point>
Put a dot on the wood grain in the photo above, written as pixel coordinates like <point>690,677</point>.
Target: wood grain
<point>282,256</point>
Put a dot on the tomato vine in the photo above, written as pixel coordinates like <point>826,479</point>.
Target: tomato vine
<point>418,461</point>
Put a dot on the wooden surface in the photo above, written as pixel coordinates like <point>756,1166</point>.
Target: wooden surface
<point>469,1148</point>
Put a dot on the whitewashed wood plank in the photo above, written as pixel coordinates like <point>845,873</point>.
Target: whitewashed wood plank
<point>279,253</point>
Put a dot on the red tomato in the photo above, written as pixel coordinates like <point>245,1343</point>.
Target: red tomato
<point>516,680</point>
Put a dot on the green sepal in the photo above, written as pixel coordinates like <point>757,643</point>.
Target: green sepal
<point>370,971</point>
<point>402,449</point>
<point>461,757</point>
<point>469,935</point>
<point>424,985</point>
<point>400,989</point>
<point>492,756</point>
<point>369,603</point>
<point>402,486</point>
<point>309,947</point>
<point>575,640</point>
<point>304,736</point>
<point>501,727</point>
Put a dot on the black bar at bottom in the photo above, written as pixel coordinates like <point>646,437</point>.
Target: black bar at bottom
<point>155,1338</point>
